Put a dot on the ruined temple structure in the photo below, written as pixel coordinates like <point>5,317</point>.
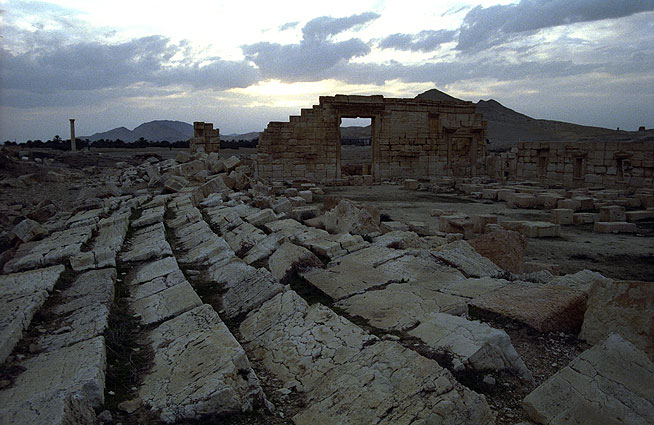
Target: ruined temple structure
<point>578,164</point>
<point>205,138</point>
<point>409,138</point>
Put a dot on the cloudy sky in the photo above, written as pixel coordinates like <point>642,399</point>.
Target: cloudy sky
<point>243,64</point>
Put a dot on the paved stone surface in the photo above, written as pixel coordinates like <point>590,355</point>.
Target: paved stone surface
<point>61,386</point>
<point>544,307</point>
<point>199,368</point>
<point>389,384</point>
<point>472,344</point>
<point>22,295</point>
<point>401,306</point>
<point>624,307</point>
<point>299,343</point>
<point>166,304</point>
<point>611,383</point>
<point>461,255</point>
<point>55,249</point>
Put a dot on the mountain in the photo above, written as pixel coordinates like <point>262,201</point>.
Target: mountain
<point>159,130</point>
<point>245,136</point>
<point>507,127</point>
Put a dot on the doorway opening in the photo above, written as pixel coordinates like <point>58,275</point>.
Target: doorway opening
<point>356,150</point>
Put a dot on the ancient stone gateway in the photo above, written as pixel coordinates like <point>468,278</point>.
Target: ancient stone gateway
<point>205,138</point>
<point>409,138</point>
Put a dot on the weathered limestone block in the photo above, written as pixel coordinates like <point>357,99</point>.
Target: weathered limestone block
<point>562,216</point>
<point>580,281</point>
<point>289,258</point>
<point>612,213</point>
<point>401,240</point>
<point>401,306</point>
<point>199,368</point>
<point>165,304</point>
<point>146,244</point>
<point>149,216</point>
<point>624,307</point>
<point>522,200</point>
<point>544,307</point>
<point>533,229</point>
<point>244,237</point>
<point>614,227</point>
<point>480,221</point>
<point>389,384</point>
<point>549,200</point>
<point>246,287</point>
<point>505,248</point>
<point>472,344</point>
<point>264,248</point>
<point>304,212</point>
<point>27,230</point>
<point>58,387</point>
<point>461,255</point>
<point>633,216</point>
<point>176,184</point>
<point>299,343</point>
<point>22,295</point>
<point>457,223</point>
<point>410,184</point>
<point>231,163</point>
<point>473,287</point>
<point>584,218</point>
<point>347,217</point>
<point>568,204</point>
<point>261,217</point>
<point>611,383</point>
<point>205,252</point>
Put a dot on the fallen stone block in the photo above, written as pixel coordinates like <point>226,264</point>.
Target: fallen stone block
<point>568,204</point>
<point>176,184</point>
<point>231,163</point>
<point>614,227</point>
<point>347,217</point>
<point>289,258</point>
<point>198,369</point>
<point>21,296</point>
<point>461,255</point>
<point>586,203</point>
<point>472,287</point>
<point>544,307</point>
<point>27,230</point>
<point>505,248</point>
<point>299,343</point>
<point>580,281</point>
<point>472,344</point>
<point>533,229</point>
<point>548,200</point>
<point>149,217</point>
<point>522,200</point>
<point>610,383</point>
<point>623,307</point>
<point>262,217</point>
<point>584,218</point>
<point>612,213</point>
<point>458,223</point>
<point>410,184</point>
<point>388,384</point>
<point>634,216</point>
<point>401,240</point>
<point>562,216</point>
<point>392,226</point>
<point>305,212</point>
<point>480,221</point>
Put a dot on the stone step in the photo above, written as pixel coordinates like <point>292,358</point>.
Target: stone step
<point>21,296</point>
<point>199,368</point>
<point>147,243</point>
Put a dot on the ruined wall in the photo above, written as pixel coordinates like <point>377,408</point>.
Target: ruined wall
<point>609,164</point>
<point>205,138</point>
<point>409,138</point>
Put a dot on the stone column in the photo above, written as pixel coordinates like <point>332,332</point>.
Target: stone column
<point>72,135</point>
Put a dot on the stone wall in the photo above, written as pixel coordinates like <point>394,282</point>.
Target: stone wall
<point>205,138</point>
<point>409,138</point>
<point>609,164</point>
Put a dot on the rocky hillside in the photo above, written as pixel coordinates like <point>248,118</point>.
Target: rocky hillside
<point>156,131</point>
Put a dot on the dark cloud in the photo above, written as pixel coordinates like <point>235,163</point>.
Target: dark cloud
<point>486,27</point>
<point>49,69</point>
<point>424,41</point>
<point>315,55</point>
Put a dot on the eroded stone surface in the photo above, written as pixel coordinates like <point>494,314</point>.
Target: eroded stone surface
<point>299,343</point>
<point>165,304</point>
<point>611,383</point>
<point>472,344</point>
<point>624,307</point>
<point>147,243</point>
<point>462,256</point>
<point>289,257</point>
<point>388,384</point>
<point>199,368</point>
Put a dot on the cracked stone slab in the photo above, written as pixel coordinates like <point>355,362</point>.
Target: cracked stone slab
<point>388,384</point>
<point>264,249</point>
<point>245,287</point>
<point>147,272</point>
<point>206,252</point>
<point>544,307</point>
<point>58,387</point>
<point>244,237</point>
<point>166,304</point>
<point>150,216</point>
<point>461,255</point>
<point>55,249</point>
<point>473,287</point>
<point>401,306</point>
<point>581,281</point>
<point>199,368</point>
<point>147,243</point>
<point>472,344</point>
<point>84,312</point>
<point>289,257</point>
<point>624,307</point>
<point>377,266</point>
<point>22,295</point>
<point>299,343</point>
<point>610,383</point>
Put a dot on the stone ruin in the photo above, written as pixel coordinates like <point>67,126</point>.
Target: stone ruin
<point>409,138</point>
<point>205,138</point>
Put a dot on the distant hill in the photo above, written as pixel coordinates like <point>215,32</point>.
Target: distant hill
<point>507,127</point>
<point>156,131</point>
<point>245,136</point>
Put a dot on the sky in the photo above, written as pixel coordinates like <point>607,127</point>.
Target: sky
<point>242,64</point>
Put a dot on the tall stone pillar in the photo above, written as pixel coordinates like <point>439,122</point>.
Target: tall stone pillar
<point>72,135</point>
